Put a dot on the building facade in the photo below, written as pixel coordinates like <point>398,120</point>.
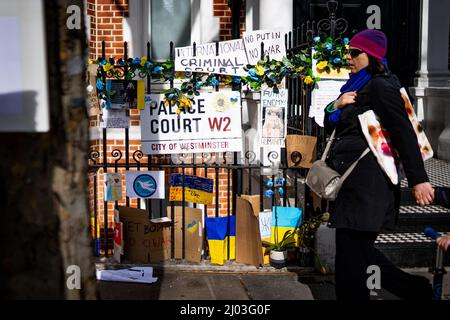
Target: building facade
<point>419,46</point>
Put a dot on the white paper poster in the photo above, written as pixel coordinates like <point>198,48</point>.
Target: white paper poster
<point>325,92</point>
<point>274,45</point>
<point>115,119</point>
<point>145,184</point>
<point>274,117</point>
<point>265,224</point>
<point>212,124</point>
<point>136,274</point>
<point>230,60</point>
<point>112,186</point>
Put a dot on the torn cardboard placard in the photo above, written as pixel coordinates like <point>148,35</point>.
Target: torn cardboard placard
<point>301,150</point>
<point>193,233</point>
<point>144,241</point>
<point>248,237</point>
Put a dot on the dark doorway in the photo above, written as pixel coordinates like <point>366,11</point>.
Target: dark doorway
<point>399,19</point>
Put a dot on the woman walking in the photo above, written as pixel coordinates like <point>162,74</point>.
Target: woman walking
<point>367,202</point>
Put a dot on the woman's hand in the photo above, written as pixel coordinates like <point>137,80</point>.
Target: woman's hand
<point>345,99</point>
<point>424,193</point>
<point>443,242</point>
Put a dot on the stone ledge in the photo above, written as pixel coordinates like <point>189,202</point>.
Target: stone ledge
<point>203,266</point>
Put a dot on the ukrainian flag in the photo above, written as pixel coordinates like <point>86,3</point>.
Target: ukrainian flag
<point>216,231</point>
<point>287,218</point>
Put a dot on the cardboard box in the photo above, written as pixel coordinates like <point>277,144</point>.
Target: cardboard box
<point>249,248</point>
<point>193,233</point>
<point>144,241</point>
<point>306,148</point>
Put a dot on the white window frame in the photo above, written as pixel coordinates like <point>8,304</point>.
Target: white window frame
<point>204,26</point>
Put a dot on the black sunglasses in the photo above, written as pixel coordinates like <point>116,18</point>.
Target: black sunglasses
<point>355,52</point>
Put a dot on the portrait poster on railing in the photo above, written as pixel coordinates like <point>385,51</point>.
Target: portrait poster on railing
<point>112,186</point>
<point>212,124</point>
<point>125,94</point>
<point>273,117</point>
<point>274,45</point>
<point>229,58</point>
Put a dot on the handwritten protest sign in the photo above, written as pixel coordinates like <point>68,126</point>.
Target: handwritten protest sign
<point>274,44</point>
<point>115,119</point>
<point>274,117</point>
<point>144,241</point>
<point>196,189</point>
<point>229,59</point>
<point>212,124</point>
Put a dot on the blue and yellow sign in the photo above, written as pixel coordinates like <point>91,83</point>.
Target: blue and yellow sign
<point>196,189</point>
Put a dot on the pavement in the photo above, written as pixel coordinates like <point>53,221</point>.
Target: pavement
<point>184,281</point>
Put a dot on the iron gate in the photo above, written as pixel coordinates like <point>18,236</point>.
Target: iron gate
<point>238,168</point>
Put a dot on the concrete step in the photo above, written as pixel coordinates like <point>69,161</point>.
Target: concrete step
<point>408,247</point>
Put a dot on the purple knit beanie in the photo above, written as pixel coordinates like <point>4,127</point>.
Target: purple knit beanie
<point>371,41</point>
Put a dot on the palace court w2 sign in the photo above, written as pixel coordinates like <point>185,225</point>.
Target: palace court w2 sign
<point>212,124</point>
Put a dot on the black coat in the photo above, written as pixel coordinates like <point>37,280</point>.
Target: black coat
<point>368,201</point>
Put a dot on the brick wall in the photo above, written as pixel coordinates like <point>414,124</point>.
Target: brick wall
<point>106,25</point>
<point>222,11</point>
<point>106,18</point>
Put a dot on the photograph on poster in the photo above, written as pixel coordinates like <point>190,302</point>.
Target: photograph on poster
<point>125,94</point>
<point>273,125</point>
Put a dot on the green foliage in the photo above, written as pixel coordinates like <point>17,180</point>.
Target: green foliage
<point>329,53</point>
<point>285,243</point>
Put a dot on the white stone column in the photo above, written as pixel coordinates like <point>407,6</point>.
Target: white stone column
<point>432,85</point>
<point>434,44</point>
<point>276,14</point>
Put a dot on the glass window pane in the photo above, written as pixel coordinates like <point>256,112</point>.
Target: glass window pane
<point>170,21</point>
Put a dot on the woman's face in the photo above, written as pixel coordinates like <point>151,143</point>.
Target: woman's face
<point>357,60</point>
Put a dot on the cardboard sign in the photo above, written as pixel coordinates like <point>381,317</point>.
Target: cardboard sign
<point>274,45</point>
<point>193,235</point>
<point>249,248</point>
<point>230,60</point>
<point>112,186</point>
<point>196,189</point>
<point>301,150</point>
<point>212,124</point>
<point>274,117</point>
<point>145,184</point>
<point>144,241</point>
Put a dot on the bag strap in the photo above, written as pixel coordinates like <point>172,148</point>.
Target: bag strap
<point>327,148</point>
<point>350,169</point>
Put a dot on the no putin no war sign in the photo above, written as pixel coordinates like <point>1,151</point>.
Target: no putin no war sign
<point>230,57</point>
